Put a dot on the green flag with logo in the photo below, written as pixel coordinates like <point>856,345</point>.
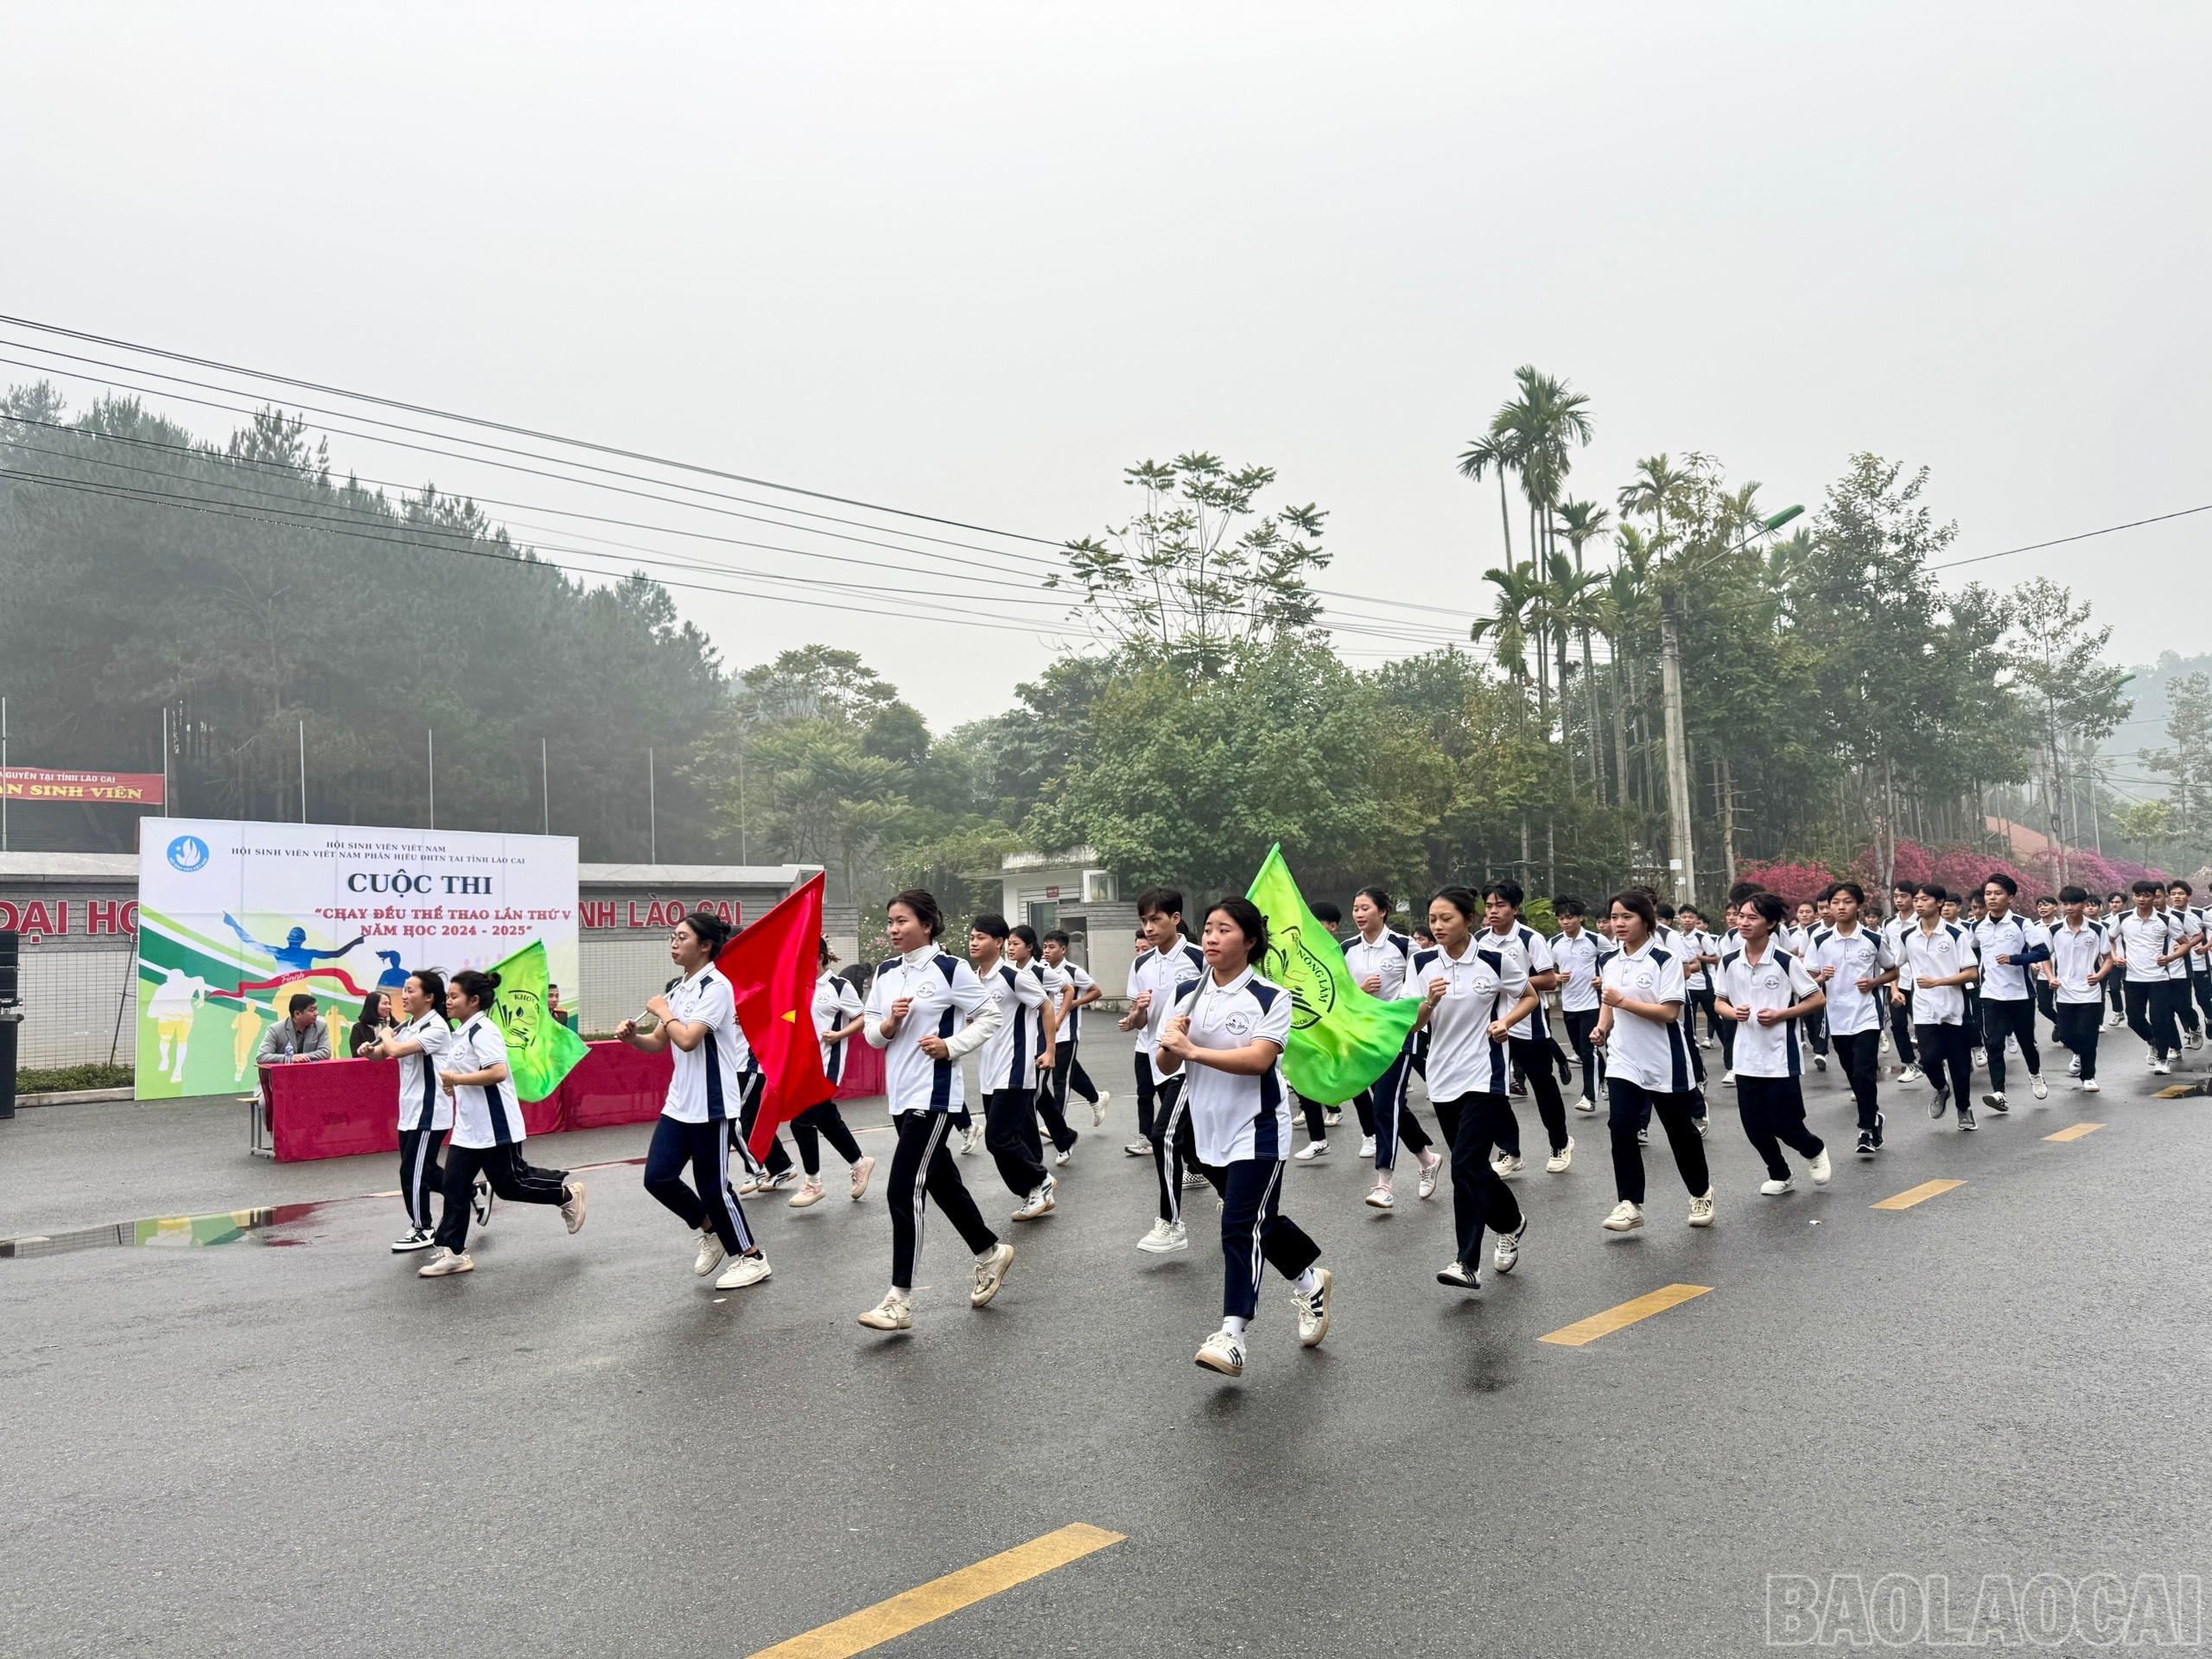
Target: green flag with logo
<point>541,1050</point>
<point>1341,1039</point>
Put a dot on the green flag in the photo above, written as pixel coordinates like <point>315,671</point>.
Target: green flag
<point>1341,1039</point>
<point>541,1050</point>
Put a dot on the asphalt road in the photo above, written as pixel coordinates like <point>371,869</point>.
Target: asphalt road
<point>293,1447</point>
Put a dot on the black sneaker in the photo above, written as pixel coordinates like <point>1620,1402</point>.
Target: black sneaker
<point>1966,1118</point>
<point>1867,1143</point>
<point>1878,1122</point>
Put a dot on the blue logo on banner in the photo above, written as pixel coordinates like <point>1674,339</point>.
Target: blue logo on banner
<point>189,852</point>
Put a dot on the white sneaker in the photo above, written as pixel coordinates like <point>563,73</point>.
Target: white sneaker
<point>1331,1116</point>
<point>1313,1309</point>
<point>1507,1255</point>
<point>2074,1066</point>
<point>1432,1170</point>
<point>572,1205</point>
<point>1704,1125</point>
<point>1820,1169</point>
<point>443,1261</point>
<point>1626,1217</point>
<point>710,1253</point>
<point>1040,1203</point>
<point>1165,1238</point>
<point>1382,1197</point>
<point>1223,1352</point>
<point>2090,1086</point>
<point>1138,1149</point>
<point>2039,1088</point>
<point>414,1238</point>
<point>752,1184</point>
<point>1728,1076</point>
<point>1063,1157</point>
<point>970,1138</point>
<point>1911,1074</point>
<point>810,1193</point>
<point>1506,1166</point>
<point>2116,1022</point>
<point>1458,1274</point>
<point>1995,1101</point>
<point>1705,1042</point>
<point>1586,1104</point>
<point>862,1171</point>
<point>1310,1151</point>
<point>1819,1062</point>
<point>1098,1108</point>
<point>895,1313</point>
<point>745,1270</point>
<point>1559,1160</point>
<point>1775,1189</point>
<point>1702,1209</point>
<point>2159,1068</point>
<point>990,1273</point>
<point>1367,1146</point>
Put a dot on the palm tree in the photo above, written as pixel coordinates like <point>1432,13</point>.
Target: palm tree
<point>1510,624</point>
<point>1652,491</point>
<point>1489,453</point>
<point>1541,423</point>
<point>1569,605</point>
<point>1578,521</point>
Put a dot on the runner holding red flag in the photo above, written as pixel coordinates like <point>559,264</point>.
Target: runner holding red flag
<point>772,966</point>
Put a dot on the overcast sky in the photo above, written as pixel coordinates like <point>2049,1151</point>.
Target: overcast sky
<point>974,260</point>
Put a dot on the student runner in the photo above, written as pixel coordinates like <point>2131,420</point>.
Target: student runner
<point>425,1110</point>
<point>1811,915</point>
<point>926,1009</point>
<point>1526,957</point>
<point>1006,1068</point>
<point>1173,960</point>
<point>2117,904</point>
<point>836,1014</point>
<point>1579,953</point>
<point>487,1129</point>
<point>2008,945</point>
<point>2145,945</point>
<point>1077,991</point>
<point>1376,956</point>
<point>2048,913</point>
<point>1940,957</point>
<point>1767,992</point>
<point>1466,1010</point>
<point>1852,963</point>
<point>1647,1062</point>
<point>1225,1035</point>
<point>2189,932</point>
<point>2081,961</point>
<point>1697,946</point>
<point>1902,902</point>
<point>709,1059</point>
<point>1955,916</point>
<point>1024,951</point>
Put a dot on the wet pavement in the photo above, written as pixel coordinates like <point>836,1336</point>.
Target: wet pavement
<point>240,1449</point>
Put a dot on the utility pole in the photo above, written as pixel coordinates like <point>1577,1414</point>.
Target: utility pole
<point>545,786</point>
<point>3,769</point>
<point>1727,816</point>
<point>430,747</point>
<point>744,852</point>
<point>1681,857</point>
<point>165,761</point>
<point>652,812</point>
<point>303,772</point>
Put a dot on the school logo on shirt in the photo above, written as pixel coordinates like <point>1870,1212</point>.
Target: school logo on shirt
<point>1238,1024</point>
<point>1298,970</point>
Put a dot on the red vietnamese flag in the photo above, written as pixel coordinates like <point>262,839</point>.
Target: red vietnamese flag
<point>772,967</point>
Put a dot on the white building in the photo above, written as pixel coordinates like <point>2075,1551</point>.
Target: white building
<point>1073,891</point>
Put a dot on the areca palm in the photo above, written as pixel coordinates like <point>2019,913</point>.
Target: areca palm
<point>1570,603</point>
<point>1514,616</point>
<point>1578,521</point>
<point>1491,453</point>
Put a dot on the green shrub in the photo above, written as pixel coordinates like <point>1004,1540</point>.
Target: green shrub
<point>59,1079</point>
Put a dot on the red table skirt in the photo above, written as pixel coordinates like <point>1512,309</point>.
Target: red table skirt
<point>341,1109</point>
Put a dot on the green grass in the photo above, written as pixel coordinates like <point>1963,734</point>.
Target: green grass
<point>59,1079</point>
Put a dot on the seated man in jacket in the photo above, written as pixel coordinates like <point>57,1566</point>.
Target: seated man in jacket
<point>299,1037</point>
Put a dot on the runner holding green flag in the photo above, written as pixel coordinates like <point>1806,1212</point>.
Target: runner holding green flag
<point>541,1050</point>
<point>1341,1039</point>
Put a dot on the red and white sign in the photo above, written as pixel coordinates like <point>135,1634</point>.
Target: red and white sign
<point>655,913</point>
<point>130,788</point>
<point>57,918</point>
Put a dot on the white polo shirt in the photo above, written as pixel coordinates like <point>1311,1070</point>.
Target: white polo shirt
<point>1522,953</point>
<point>422,1103</point>
<point>836,1004</point>
<point>1234,1118</point>
<point>484,1115</point>
<point>1462,1058</point>
<point>1651,1053</point>
<point>2187,924</point>
<point>1577,956</point>
<point>948,1001</point>
<point>1009,1058</point>
<point>1695,944</point>
<point>2075,953</point>
<point>1776,979</point>
<point>1160,972</point>
<point>1894,931</point>
<point>1860,954</point>
<point>2139,941</point>
<point>1948,950</point>
<point>703,1087</point>
<point>1386,959</point>
<point>1069,973</point>
<point>2014,936</point>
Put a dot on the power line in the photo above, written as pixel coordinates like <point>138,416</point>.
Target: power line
<point>491,426</point>
<point>2133,523</point>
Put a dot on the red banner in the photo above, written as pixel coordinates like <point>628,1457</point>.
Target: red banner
<point>132,788</point>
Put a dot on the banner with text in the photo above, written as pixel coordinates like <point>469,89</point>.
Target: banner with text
<point>234,919</point>
<point>34,784</point>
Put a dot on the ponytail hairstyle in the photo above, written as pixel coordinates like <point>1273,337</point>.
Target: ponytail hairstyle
<point>481,989</point>
<point>1026,934</point>
<point>1637,903</point>
<point>1379,897</point>
<point>923,904</point>
<point>709,930</point>
<point>1462,899</point>
<point>1253,926</point>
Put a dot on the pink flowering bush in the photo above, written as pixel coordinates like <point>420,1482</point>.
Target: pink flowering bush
<point>1795,883</point>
